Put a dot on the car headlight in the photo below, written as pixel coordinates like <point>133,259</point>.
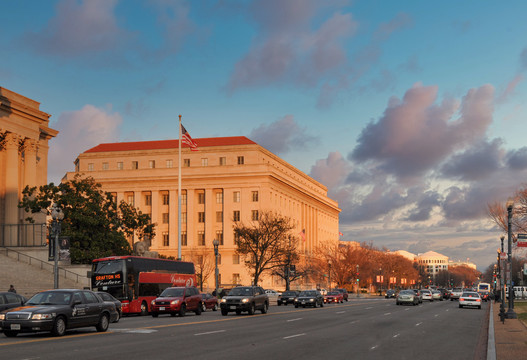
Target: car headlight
<point>174,302</point>
<point>41,316</point>
<point>2,316</point>
<point>223,300</point>
<point>245,300</point>
<point>311,300</point>
<point>153,302</point>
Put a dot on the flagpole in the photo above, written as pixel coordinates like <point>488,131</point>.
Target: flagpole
<point>179,197</point>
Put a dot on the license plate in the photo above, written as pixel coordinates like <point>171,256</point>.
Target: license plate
<point>161,309</point>
<point>303,302</point>
<point>15,326</point>
<point>233,307</point>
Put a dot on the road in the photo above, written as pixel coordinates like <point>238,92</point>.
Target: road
<point>372,328</point>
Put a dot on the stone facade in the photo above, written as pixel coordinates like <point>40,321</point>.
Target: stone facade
<point>24,136</point>
<point>228,179</point>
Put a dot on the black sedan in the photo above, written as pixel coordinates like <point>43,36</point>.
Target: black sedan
<point>287,297</point>
<point>309,298</point>
<point>118,306</point>
<point>57,311</point>
<point>10,300</point>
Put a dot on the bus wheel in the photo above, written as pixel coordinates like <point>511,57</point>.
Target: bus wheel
<point>144,309</point>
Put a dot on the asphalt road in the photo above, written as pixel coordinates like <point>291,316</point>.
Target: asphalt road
<point>359,329</point>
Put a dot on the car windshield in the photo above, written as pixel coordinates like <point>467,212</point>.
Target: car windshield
<point>172,292</point>
<point>406,292</point>
<point>289,293</point>
<point>470,294</point>
<point>333,293</point>
<point>241,291</point>
<point>50,298</point>
<point>308,293</point>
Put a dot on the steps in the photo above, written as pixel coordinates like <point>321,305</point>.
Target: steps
<point>22,269</point>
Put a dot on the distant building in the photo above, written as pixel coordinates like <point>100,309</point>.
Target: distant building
<point>432,263</point>
<point>24,137</point>
<point>466,263</point>
<point>227,180</point>
<point>405,254</point>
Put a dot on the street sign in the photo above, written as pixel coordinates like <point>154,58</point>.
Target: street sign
<point>522,240</point>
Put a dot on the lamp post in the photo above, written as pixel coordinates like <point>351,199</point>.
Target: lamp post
<point>216,243</point>
<point>503,273</point>
<point>329,274</point>
<point>510,313</point>
<point>57,216</point>
<point>358,280</point>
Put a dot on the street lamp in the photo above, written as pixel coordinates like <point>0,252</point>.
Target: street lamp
<point>510,313</point>
<point>216,243</point>
<point>329,274</point>
<point>503,273</point>
<point>57,216</point>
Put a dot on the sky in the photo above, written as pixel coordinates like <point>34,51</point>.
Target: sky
<point>410,112</point>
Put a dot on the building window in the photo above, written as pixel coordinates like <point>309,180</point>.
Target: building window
<point>219,198</point>
<point>166,199</point>
<point>255,196</point>
<point>236,215</point>
<point>204,162</point>
<point>241,160</point>
<point>201,217</point>
<point>165,218</point>
<point>201,198</point>
<point>236,279</point>
<point>186,162</point>
<point>105,166</point>
<point>236,196</point>
<point>152,164</point>
<point>166,239</point>
<point>170,164</point>
<point>201,238</point>
<point>254,216</point>
<point>130,199</point>
<point>135,165</point>
<point>236,238</point>
<point>219,216</point>
<point>120,165</point>
<point>90,167</point>
<point>223,161</point>
<point>184,198</point>
<point>148,200</point>
<point>236,259</point>
<point>183,238</point>
<point>184,217</point>
<point>219,236</point>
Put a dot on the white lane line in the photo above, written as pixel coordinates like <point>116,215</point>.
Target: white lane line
<point>210,332</point>
<point>293,336</point>
<point>134,331</point>
<point>406,309</point>
<point>436,315</point>
<point>294,319</point>
<point>396,335</point>
<point>387,314</point>
<point>340,312</point>
<point>418,324</point>
<point>354,321</point>
<point>374,347</point>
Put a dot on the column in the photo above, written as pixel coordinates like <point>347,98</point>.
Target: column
<point>33,234</point>
<point>11,190</point>
<point>173,212</point>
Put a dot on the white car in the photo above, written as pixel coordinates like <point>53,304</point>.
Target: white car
<point>427,295</point>
<point>470,298</point>
<point>273,295</point>
<point>436,295</point>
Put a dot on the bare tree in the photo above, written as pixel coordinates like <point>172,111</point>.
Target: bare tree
<point>264,243</point>
<point>204,264</point>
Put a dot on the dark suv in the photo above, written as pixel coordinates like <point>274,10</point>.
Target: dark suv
<point>245,298</point>
<point>177,300</point>
<point>287,297</point>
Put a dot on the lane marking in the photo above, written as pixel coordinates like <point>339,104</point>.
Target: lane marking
<point>293,336</point>
<point>418,324</point>
<point>294,319</point>
<point>396,335</point>
<point>374,347</point>
<point>135,331</point>
<point>209,332</point>
<point>387,314</point>
<point>340,312</point>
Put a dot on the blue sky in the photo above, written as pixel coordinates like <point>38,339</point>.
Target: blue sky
<point>410,112</point>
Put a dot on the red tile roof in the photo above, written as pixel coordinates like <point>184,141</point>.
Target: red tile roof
<point>169,144</point>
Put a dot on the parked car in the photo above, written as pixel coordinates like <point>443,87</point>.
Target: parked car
<point>245,298</point>
<point>419,295</point>
<point>344,292</point>
<point>209,301</point>
<point>177,301</point>
<point>287,297</point>
<point>273,295</point>
<point>10,300</point>
<point>108,297</point>
<point>455,293</point>
<point>312,298</point>
<point>470,298</point>
<point>427,294</point>
<point>333,297</point>
<point>436,295</point>
<point>407,297</point>
<point>57,311</point>
<point>390,294</point>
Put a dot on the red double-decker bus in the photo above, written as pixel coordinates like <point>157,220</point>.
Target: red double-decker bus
<point>136,281</point>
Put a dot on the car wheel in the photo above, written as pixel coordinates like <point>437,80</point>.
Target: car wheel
<point>10,333</point>
<point>278,303</point>
<point>198,310</point>
<point>265,308</point>
<point>460,306</point>
<point>119,316</point>
<point>224,312</point>
<point>215,308</point>
<point>322,304</point>
<point>103,324</point>
<point>182,310</point>
<point>251,309</point>
<point>144,309</point>
<point>59,327</point>
<point>479,307</point>
<point>155,314</point>
<point>296,305</point>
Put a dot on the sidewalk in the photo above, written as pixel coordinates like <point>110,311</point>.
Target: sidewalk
<point>510,338</point>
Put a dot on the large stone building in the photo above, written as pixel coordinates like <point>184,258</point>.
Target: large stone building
<point>24,136</point>
<point>227,180</point>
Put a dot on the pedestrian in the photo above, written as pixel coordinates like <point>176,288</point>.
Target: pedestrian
<point>12,289</point>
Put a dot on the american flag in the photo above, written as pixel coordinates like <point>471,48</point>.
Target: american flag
<point>186,139</point>
<point>303,234</point>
